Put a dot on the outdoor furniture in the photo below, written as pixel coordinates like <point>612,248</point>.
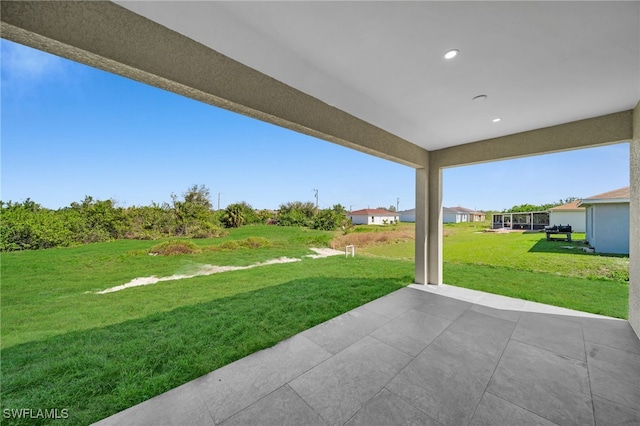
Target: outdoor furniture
<point>558,230</point>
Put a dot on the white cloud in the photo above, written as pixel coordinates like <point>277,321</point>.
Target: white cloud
<point>26,68</point>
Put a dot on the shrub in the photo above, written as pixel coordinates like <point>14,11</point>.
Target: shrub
<point>296,213</point>
<point>256,242</point>
<point>331,219</point>
<point>227,245</point>
<point>171,248</point>
<point>251,243</point>
<point>234,216</point>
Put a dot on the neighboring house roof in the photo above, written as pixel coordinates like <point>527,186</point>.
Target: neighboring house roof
<point>622,195</point>
<point>373,212</point>
<point>464,210</point>
<point>410,211</point>
<point>451,210</point>
<point>573,206</point>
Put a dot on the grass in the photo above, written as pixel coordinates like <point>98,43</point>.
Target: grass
<point>603,297</point>
<point>66,347</point>
<point>526,266</point>
<point>51,292</point>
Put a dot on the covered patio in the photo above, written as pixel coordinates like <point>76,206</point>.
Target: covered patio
<point>530,78</point>
<point>423,355</point>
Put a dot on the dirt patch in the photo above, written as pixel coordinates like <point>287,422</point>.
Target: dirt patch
<point>201,270</point>
<point>370,239</point>
<point>173,248</point>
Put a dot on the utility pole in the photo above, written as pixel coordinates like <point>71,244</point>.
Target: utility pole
<point>218,200</point>
<point>397,204</point>
<point>316,199</point>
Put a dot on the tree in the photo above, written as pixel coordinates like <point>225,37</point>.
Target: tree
<point>234,216</point>
<point>539,208</point>
<point>296,213</point>
<point>330,219</point>
<point>96,220</point>
<point>389,209</point>
<point>193,213</point>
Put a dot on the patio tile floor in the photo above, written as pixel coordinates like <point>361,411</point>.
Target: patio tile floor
<point>423,355</point>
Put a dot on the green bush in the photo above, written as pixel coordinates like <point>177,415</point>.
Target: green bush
<point>171,248</point>
<point>331,219</point>
<point>28,225</point>
<point>251,243</point>
<point>296,213</point>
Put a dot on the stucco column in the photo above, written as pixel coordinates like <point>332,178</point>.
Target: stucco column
<point>434,228</point>
<point>634,226</point>
<point>422,190</point>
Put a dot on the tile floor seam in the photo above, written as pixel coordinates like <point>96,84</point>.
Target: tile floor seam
<point>549,350</point>
<point>266,396</point>
<point>637,410</point>
<point>520,406</point>
<point>279,387</point>
<point>204,401</point>
<point>439,334</point>
<point>306,403</point>
<point>637,354</point>
<point>586,357</point>
<point>495,368</point>
<point>377,391</point>
<point>413,357</point>
<point>400,350</point>
<point>601,396</point>
<point>247,406</point>
<point>566,357</point>
<point>362,406</point>
<point>471,304</point>
<point>384,386</point>
<point>359,409</point>
<point>377,313</point>
<point>410,403</point>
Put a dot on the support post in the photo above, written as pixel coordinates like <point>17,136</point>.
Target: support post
<point>434,229</point>
<point>634,225</point>
<point>422,181</point>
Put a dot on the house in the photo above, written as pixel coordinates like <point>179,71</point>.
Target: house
<point>474,216</point>
<point>373,217</point>
<point>408,215</point>
<point>451,215</point>
<point>607,221</point>
<point>569,214</point>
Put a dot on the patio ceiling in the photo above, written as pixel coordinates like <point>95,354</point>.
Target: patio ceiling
<point>539,63</point>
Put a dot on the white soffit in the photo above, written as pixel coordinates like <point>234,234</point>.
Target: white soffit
<point>539,63</point>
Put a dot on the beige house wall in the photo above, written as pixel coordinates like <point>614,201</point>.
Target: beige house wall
<point>576,218</point>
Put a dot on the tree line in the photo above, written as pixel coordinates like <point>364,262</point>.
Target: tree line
<point>27,225</point>
<point>540,207</point>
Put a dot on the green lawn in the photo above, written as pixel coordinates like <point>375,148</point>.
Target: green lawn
<point>526,266</point>
<point>66,347</point>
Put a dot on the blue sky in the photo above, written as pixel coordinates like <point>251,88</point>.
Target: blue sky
<point>68,130</point>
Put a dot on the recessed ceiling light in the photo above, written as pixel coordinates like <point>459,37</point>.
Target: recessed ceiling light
<point>451,54</point>
<point>479,98</point>
<point>495,120</point>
